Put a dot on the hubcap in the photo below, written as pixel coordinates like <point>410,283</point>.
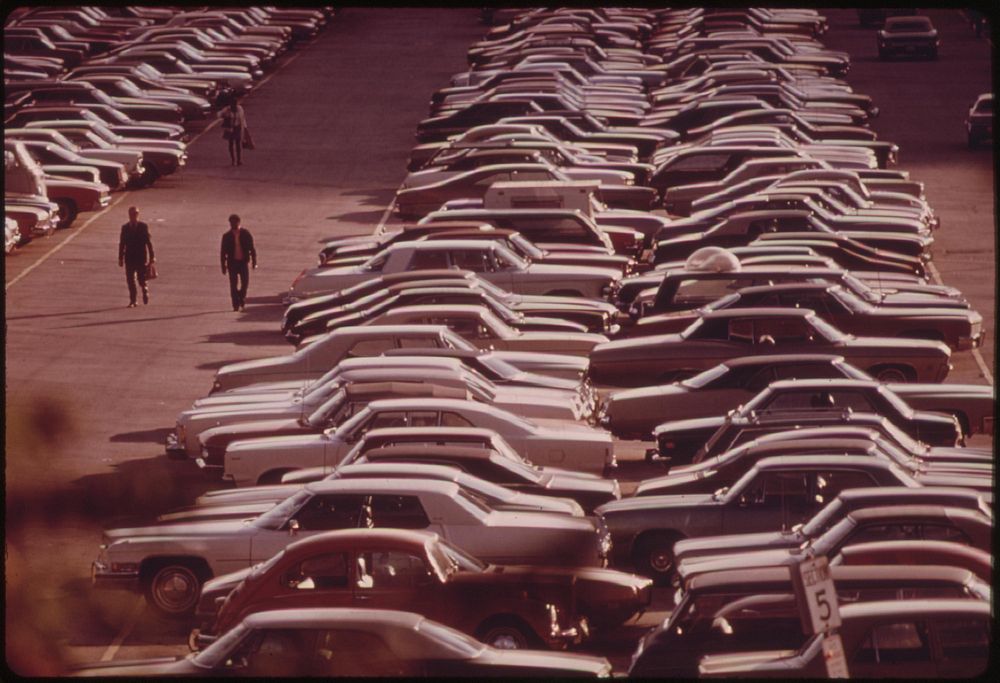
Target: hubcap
<point>505,641</point>
<point>661,560</point>
<point>175,589</point>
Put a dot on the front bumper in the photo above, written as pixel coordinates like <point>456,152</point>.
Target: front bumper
<point>967,343</point>
<point>101,576</point>
<point>175,447</point>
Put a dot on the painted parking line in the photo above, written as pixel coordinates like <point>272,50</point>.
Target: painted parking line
<point>127,629</point>
<point>976,354</point>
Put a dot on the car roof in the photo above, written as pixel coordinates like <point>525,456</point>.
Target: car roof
<point>443,244</point>
<point>922,607</point>
<point>404,536</point>
<point>778,578</point>
<point>430,273</point>
<point>427,450</point>
<point>781,359</point>
<point>432,352</point>
<point>759,312</point>
<point>822,461</point>
<point>386,485</point>
<point>941,551</point>
<point>429,432</point>
<point>402,469</point>
<point>825,383</point>
<point>384,331</point>
<point>367,390</point>
<point>898,495</point>
<point>442,308</point>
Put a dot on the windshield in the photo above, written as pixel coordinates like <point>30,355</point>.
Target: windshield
<point>703,379</point>
<point>479,383</point>
<point>896,402</point>
<point>861,288</point>
<point>902,438</point>
<point>351,425</point>
<point>465,646</point>
<point>474,502</point>
<point>528,250</point>
<point>499,366</point>
<point>453,559</point>
<point>505,255</point>
<point>826,329</point>
<point>849,300</point>
<point>215,654</point>
<point>275,517</point>
<point>327,413</point>
<point>262,568</point>
<point>723,302</point>
<point>321,389</point>
<point>822,519</point>
<point>452,340</point>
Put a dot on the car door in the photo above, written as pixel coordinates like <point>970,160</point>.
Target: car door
<point>391,578</point>
<point>962,646</point>
<point>321,580</point>
<point>766,502</point>
<point>322,512</point>
<point>893,649</point>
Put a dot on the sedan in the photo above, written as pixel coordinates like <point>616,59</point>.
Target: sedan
<point>352,642</point>
<point>170,562</point>
<point>721,335</point>
<point>544,442</point>
<point>908,35</point>
<point>506,606</point>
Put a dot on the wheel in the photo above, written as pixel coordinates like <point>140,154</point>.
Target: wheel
<point>506,634</point>
<point>654,556</point>
<point>891,373</point>
<point>272,477</point>
<point>173,589</point>
<point>67,212</point>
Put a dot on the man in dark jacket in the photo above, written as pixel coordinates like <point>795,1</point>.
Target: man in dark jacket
<point>133,245</point>
<point>236,254</point>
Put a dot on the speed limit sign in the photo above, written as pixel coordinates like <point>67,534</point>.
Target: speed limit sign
<point>817,595</point>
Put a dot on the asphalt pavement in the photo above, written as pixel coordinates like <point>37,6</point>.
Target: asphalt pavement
<point>93,387</point>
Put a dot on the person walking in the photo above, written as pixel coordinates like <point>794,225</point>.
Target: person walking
<point>234,123</point>
<point>134,244</point>
<point>237,253</point>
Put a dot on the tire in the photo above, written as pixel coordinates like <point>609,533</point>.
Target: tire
<point>507,633</point>
<point>173,587</point>
<point>272,477</point>
<point>653,556</point>
<point>892,373</point>
<point>67,213</point>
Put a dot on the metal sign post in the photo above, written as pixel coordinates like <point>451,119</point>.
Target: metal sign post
<point>817,599</point>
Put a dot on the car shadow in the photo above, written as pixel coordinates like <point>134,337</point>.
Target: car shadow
<point>262,313</point>
<point>246,338</point>
<point>145,436</point>
<point>371,217</point>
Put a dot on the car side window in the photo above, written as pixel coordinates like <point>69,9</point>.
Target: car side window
<point>964,638</point>
<point>701,291</point>
<point>275,652</point>
<point>466,259</point>
<point>394,570</point>
<point>942,532</point>
<point>422,418</point>
<point>467,327</point>
<point>741,331</point>
<point>370,347</point>
<point>895,643</point>
<point>418,342</point>
<point>342,652</point>
<point>329,512</point>
<point>783,330</point>
<point>807,371</point>
<point>794,400</point>
<point>426,259</point>
<point>491,178</point>
<point>377,264</point>
<point>318,573</point>
<point>811,301</point>
<point>884,532</point>
<point>449,419</point>
<point>855,400</point>
<point>774,489</point>
<point>758,380</point>
<point>701,162</point>
<point>828,485</point>
<point>392,418</point>
<point>398,512</point>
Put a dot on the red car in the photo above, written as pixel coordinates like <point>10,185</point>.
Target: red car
<point>504,606</point>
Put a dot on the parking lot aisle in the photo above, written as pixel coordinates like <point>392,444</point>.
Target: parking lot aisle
<point>923,109</point>
<point>95,386</point>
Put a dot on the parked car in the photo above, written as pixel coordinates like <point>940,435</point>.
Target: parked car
<point>721,335</point>
<point>506,606</point>
<point>979,122</point>
<point>312,361</point>
<point>913,553</point>
<point>544,442</point>
<point>838,509</point>
<point>489,260</point>
<point>885,639</point>
<point>908,35</point>
<point>353,642</point>
<point>170,562</point>
<point>715,612</point>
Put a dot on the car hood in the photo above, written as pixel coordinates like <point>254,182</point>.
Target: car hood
<point>630,345</point>
<point>647,503</point>
<point>537,520</point>
<point>562,663</point>
<point>256,428</point>
<point>560,272</point>
<point>898,345</point>
<point>519,574</point>
<point>559,482</point>
<point>644,393</point>
<point>742,560</point>
<point>278,442</point>
<point>694,424</point>
<point>944,391</point>
<point>209,528</point>
<point>664,485</point>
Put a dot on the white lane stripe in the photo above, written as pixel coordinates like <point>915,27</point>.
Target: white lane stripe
<point>122,196</point>
<point>980,361</point>
<point>76,233</point>
<point>126,631</point>
<point>380,228</point>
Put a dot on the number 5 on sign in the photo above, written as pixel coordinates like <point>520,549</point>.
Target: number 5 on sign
<point>820,594</point>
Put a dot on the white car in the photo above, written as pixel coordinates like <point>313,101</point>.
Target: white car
<point>544,442</point>
<point>328,404</point>
<point>489,259</point>
<point>313,361</point>
<point>170,562</point>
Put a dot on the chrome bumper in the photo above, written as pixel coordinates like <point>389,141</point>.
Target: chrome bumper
<point>966,343</point>
<point>101,576</point>
<point>175,449</point>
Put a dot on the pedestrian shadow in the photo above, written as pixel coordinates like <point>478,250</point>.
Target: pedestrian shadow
<point>63,314</point>
<point>271,299</point>
<point>145,436</point>
<point>263,313</point>
<point>246,337</point>
<point>142,320</point>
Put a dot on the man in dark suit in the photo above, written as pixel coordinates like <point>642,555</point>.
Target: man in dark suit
<point>237,254</point>
<point>133,245</point>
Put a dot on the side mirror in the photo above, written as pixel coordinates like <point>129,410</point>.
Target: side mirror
<point>293,527</point>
